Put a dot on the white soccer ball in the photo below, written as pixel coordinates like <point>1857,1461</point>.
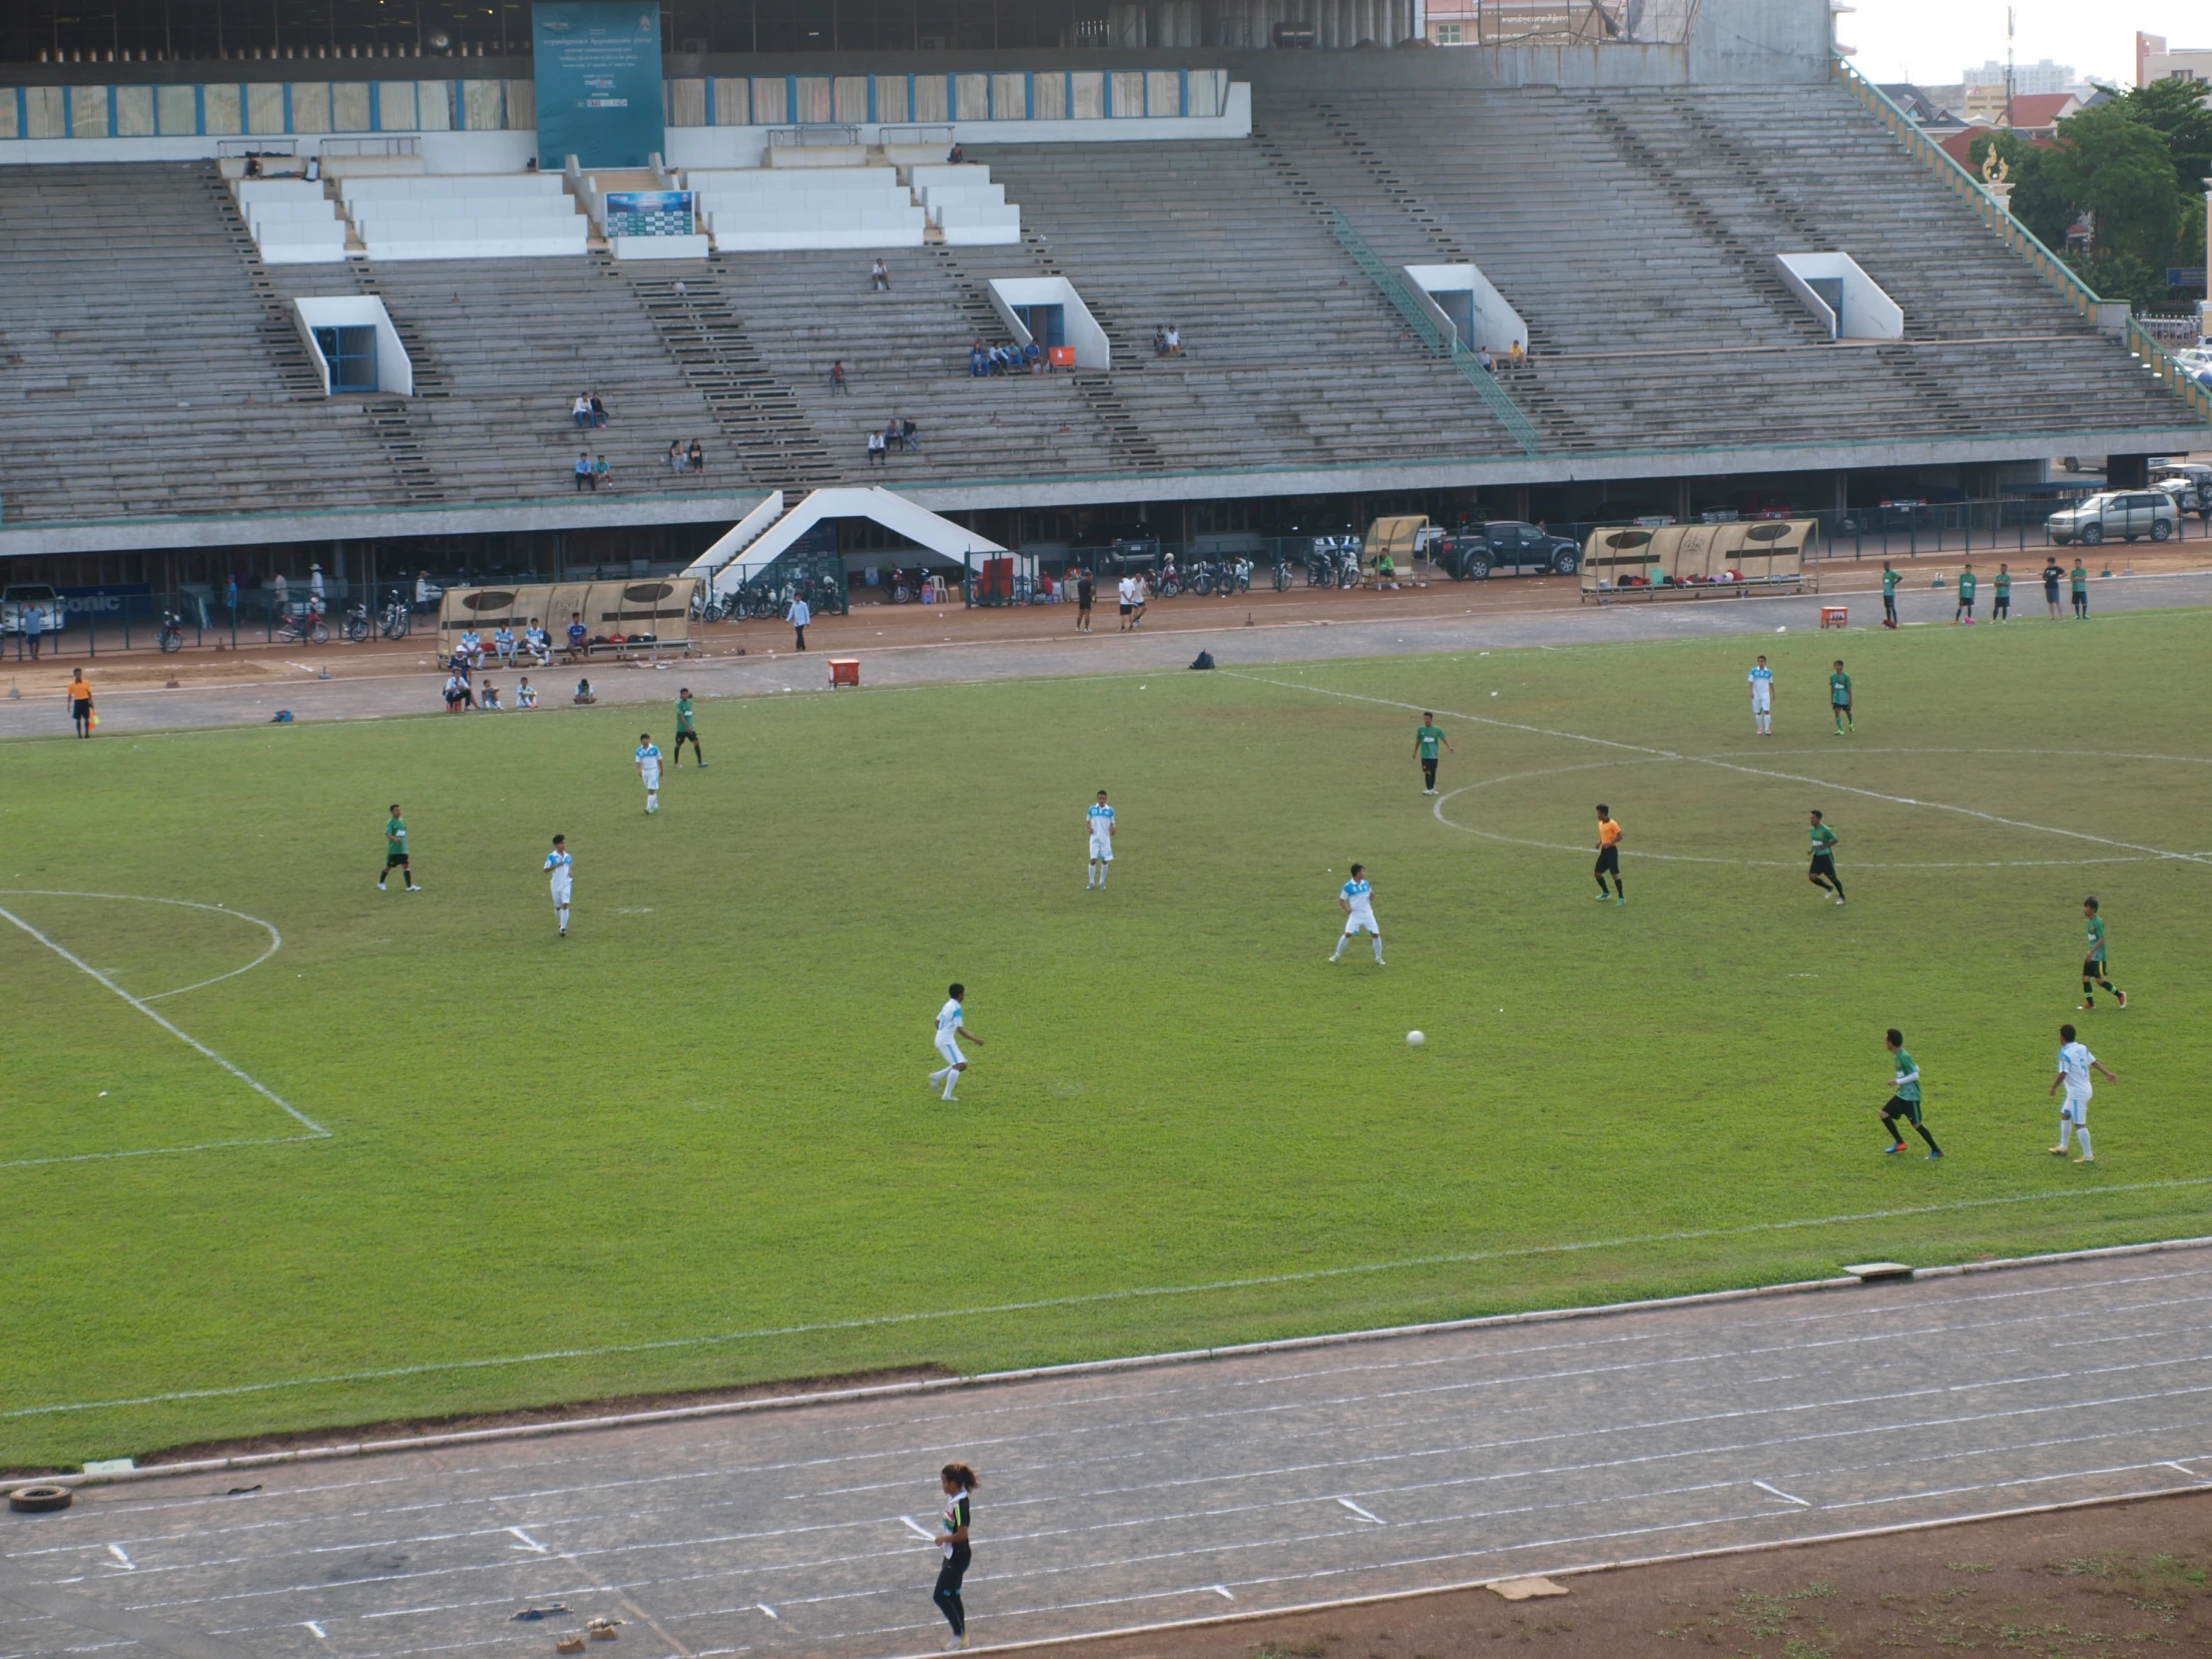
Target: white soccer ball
<point>1414,1039</point>
<point>1784,628</point>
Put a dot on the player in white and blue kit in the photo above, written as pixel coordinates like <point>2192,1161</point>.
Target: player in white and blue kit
<point>2074,1064</point>
<point>1100,819</point>
<point>561,867</point>
<point>649,769</point>
<point>951,1027</point>
<point>1357,900</point>
<point>1761,698</point>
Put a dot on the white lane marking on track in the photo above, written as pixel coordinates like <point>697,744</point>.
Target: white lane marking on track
<point>275,940</point>
<point>770,1611</point>
<point>1363,1513</point>
<point>321,1635</point>
<point>122,1555</point>
<point>316,1131</point>
<point>527,1542</point>
<point>1220,1590</point>
<point>918,1529</point>
<point>1456,1259</point>
<point>1786,1497</point>
<point>1732,765</point>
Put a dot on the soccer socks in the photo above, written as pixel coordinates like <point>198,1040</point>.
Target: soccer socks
<point>1934,1151</point>
<point>1379,951</point>
<point>2082,1130</point>
<point>2066,1134</point>
<point>1337,954</point>
<point>652,801</point>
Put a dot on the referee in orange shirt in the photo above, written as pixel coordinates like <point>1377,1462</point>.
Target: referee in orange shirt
<point>1609,854</point>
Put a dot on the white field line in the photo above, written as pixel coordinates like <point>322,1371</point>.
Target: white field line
<point>315,1130</point>
<point>275,940</point>
<point>1734,765</point>
<point>1138,1293</point>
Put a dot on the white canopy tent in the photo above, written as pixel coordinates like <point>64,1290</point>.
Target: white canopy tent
<point>761,536</point>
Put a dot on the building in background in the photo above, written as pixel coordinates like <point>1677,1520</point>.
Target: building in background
<point>2155,62</point>
<point>2040,76</point>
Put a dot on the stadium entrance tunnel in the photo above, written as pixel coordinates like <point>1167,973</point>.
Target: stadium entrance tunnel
<point>1033,308</point>
<point>1844,300</point>
<point>353,344</point>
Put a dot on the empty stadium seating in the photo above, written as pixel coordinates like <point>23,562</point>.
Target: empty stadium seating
<point>291,221</point>
<point>757,209</point>
<point>962,201</point>
<point>465,215</point>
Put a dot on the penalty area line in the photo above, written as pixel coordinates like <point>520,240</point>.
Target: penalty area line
<point>316,1131</point>
<point>1133,1293</point>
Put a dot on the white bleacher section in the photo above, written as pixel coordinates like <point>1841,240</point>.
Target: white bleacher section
<point>962,201</point>
<point>480,216</point>
<point>291,221</point>
<point>763,209</point>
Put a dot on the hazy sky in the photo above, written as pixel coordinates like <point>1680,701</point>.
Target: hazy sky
<point>1933,41</point>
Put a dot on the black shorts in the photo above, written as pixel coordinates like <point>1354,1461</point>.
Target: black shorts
<point>2095,968</point>
<point>1899,1107</point>
<point>392,859</point>
<point>1840,708</point>
<point>1609,860</point>
<point>1823,864</point>
<point>688,737</point>
<point>81,707</point>
<point>1082,601</point>
<point>1126,609</point>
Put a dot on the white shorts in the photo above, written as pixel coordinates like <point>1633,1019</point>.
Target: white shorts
<point>1102,849</point>
<point>2077,1108</point>
<point>560,892</point>
<point>652,777</point>
<point>1759,702</point>
<point>1362,922</point>
<point>951,1052</point>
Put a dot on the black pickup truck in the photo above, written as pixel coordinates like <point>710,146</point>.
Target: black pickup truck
<point>1473,554</point>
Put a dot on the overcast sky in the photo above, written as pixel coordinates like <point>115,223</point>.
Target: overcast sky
<point>1934,41</point>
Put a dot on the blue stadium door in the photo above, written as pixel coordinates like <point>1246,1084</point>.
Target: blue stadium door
<point>352,353</point>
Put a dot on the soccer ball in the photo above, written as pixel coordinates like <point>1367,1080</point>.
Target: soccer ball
<point>1414,1039</point>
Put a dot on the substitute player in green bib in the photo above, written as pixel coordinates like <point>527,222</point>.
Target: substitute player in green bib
<point>686,732</point>
<point>1823,873</point>
<point>395,850</point>
<point>1427,738</point>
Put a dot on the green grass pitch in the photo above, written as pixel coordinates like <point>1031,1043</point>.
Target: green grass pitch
<point>692,1146</point>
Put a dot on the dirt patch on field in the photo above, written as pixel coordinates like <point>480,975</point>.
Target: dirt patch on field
<point>2116,1578</point>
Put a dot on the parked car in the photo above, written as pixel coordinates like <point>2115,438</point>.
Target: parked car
<point>2120,515</point>
<point>19,597</point>
<point>2191,495</point>
<point>1506,544</point>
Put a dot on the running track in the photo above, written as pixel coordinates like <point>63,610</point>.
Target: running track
<point>1177,1491</point>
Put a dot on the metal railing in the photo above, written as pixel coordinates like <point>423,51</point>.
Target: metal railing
<point>809,133</point>
<point>394,146</point>
<point>1510,415</point>
<point>927,131</point>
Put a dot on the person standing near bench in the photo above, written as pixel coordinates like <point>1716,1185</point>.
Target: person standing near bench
<point>2053,576</point>
<point>685,731</point>
<point>799,615</point>
<point>1963,611</point>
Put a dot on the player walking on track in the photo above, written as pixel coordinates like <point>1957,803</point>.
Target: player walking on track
<point>1100,819</point>
<point>1357,900</point>
<point>395,849</point>
<point>1838,698</point>
<point>1904,1098</point>
<point>958,1481</point>
<point>951,1027</point>
<point>561,869</point>
<point>686,732</point>
<point>1425,740</point>
<point>2074,1061</point>
<point>2094,967</point>
<point>1823,873</point>
<point>1762,698</point>
<point>1609,835</point>
<point>648,759</point>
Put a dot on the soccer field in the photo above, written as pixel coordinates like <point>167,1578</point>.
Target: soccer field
<point>308,1154</point>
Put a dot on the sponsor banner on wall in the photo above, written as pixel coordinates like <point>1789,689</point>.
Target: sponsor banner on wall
<point>649,212</point>
<point>598,68</point>
<point>108,599</point>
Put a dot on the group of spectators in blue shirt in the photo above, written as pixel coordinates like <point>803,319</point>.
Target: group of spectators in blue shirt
<point>986,360</point>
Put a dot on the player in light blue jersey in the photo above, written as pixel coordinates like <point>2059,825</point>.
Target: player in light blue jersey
<point>951,1027</point>
<point>1357,900</point>
<point>561,869</point>
<point>1100,819</point>
<point>1762,698</point>
<point>649,769</point>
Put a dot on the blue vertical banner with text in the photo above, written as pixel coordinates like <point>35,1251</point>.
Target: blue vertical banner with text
<point>598,82</point>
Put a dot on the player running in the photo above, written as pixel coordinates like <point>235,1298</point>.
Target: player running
<point>1823,873</point>
<point>1904,1098</point>
<point>2074,1062</point>
<point>1609,835</point>
<point>951,1027</point>
<point>1426,738</point>
<point>1762,698</point>
<point>561,869</point>
<point>1839,699</point>
<point>2094,966</point>
<point>686,732</point>
<point>1357,900</point>
<point>1100,821</point>
<point>649,769</point>
<point>395,849</point>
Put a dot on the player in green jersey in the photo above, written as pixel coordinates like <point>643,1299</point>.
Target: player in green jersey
<point>1823,873</point>
<point>685,731</point>
<point>1904,1098</point>
<point>1838,698</point>
<point>2077,579</point>
<point>2001,603</point>
<point>1967,585</point>
<point>1425,740</point>
<point>395,850</point>
<point>2095,969</point>
<point>1889,595</point>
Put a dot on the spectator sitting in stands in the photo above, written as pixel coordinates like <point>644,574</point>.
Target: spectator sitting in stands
<point>892,438</point>
<point>579,637</point>
<point>491,697</point>
<point>599,476</point>
<point>837,379</point>
<point>584,692</point>
<point>583,478</point>
<point>1175,340</point>
<point>875,450</point>
<point>503,644</point>
<point>697,457</point>
<point>1489,363</point>
<point>675,456</point>
<point>1386,571</point>
<point>581,409</point>
<point>472,648</point>
<point>598,411</point>
<point>457,695</point>
<point>880,275</point>
<point>958,156</point>
<point>540,645</point>
<point>525,696</point>
<point>1032,356</point>
<point>1516,356</point>
<point>1160,342</point>
<point>907,435</point>
<point>978,365</point>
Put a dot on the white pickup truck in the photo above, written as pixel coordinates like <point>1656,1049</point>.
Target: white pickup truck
<point>15,601</point>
